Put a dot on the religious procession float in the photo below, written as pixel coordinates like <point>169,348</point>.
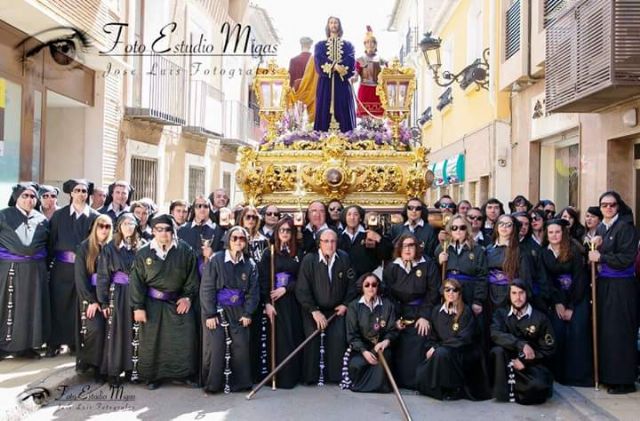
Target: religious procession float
<point>317,150</point>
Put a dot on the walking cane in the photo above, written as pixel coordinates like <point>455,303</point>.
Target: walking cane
<point>394,386</point>
<point>288,358</point>
<point>273,324</point>
<point>594,319</point>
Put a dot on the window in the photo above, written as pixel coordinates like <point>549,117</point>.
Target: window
<point>226,182</point>
<point>10,125</point>
<point>196,182</point>
<point>474,31</point>
<point>144,177</point>
<point>512,30</point>
<point>560,171</point>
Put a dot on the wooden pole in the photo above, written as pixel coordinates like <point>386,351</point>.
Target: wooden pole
<point>394,386</point>
<point>273,321</point>
<point>594,321</point>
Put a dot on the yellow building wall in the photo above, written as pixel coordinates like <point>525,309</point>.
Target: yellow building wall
<point>471,110</point>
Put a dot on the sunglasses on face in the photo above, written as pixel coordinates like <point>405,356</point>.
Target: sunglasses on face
<point>536,217</point>
<point>414,208</point>
<point>458,227</point>
<point>235,238</point>
<point>83,191</point>
<point>335,209</point>
<point>451,289</point>
<point>370,285</point>
<point>285,230</point>
<point>162,229</point>
<point>28,196</point>
<point>276,214</point>
<point>608,204</point>
<point>200,206</point>
<point>49,196</point>
<point>505,224</point>
<point>251,217</point>
<point>474,218</point>
<point>409,245</point>
<point>447,206</point>
<point>104,226</point>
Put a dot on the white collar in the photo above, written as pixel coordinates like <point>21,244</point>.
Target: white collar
<point>499,244</point>
<point>124,209</point>
<point>610,224</point>
<point>153,245</point>
<point>258,237</point>
<point>266,230</point>
<point>85,211</point>
<point>358,231</point>
<point>527,312</point>
<point>24,212</point>
<point>398,261</point>
<point>479,236</point>
<point>376,303</point>
<point>446,310</point>
<point>208,223</point>
<point>229,258</point>
<point>309,227</point>
<point>125,245</point>
<point>323,260</point>
<point>552,251</point>
<point>420,223</point>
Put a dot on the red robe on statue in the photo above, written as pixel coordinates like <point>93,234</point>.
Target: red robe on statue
<point>368,68</point>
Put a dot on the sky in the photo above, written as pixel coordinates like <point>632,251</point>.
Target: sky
<point>294,20</point>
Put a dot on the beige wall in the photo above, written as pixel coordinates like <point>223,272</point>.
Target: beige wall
<point>64,146</point>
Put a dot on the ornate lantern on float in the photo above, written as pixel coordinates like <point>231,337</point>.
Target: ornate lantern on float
<point>271,86</point>
<point>395,88</point>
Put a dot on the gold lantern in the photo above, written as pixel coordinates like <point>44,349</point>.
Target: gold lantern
<point>396,85</point>
<point>271,86</point>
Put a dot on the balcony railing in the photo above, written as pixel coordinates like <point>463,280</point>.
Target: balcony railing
<point>205,110</point>
<point>512,30</point>
<point>162,87</point>
<point>238,119</point>
<point>593,56</point>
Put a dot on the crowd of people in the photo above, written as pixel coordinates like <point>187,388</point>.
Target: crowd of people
<point>491,304</point>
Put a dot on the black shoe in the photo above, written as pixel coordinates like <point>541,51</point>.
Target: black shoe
<point>621,389</point>
<point>153,385</point>
<point>82,367</point>
<point>451,394</point>
<point>52,351</point>
<point>29,353</point>
<point>192,384</point>
<point>114,381</point>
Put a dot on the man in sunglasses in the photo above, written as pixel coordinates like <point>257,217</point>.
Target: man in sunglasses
<point>416,223</point>
<point>70,226</point>
<point>48,200</point>
<point>25,315</point>
<point>525,344</point>
<point>326,285</point>
<point>270,216</point>
<point>163,284</point>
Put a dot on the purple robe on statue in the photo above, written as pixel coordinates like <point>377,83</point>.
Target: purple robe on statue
<point>344,105</point>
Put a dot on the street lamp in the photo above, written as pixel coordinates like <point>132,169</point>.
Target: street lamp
<point>395,88</point>
<point>271,86</point>
<point>476,72</point>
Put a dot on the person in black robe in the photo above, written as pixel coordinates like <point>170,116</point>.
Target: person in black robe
<point>229,295</point>
<point>476,220</point>
<point>370,329</point>
<point>411,282</point>
<point>203,235</point>
<point>24,287</point>
<point>270,217</point>
<point>492,209</point>
<point>525,344</point>
<point>70,226</point>
<point>285,311</point>
<point>454,367</point>
<point>335,220</point>
<point>617,317</point>
<point>118,199</point>
<point>415,214</point>
<point>366,248</point>
<point>114,267</point>
<point>326,285</point>
<point>317,215</point>
<point>540,288</point>
<point>142,210</point>
<point>91,330</point>
<point>162,285</point>
<point>563,263</point>
<point>48,200</point>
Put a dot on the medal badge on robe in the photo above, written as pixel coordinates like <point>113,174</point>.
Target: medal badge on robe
<point>472,256</point>
<point>455,327</point>
<point>149,261</point>
<point>419,273</point>
<point>244,276</point>
<point>548,339</point>
<point>383,323</point>
<point>340,275</point>
<point>531,329</point>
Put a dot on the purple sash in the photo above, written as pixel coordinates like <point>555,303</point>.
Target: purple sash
<point>93,279</point>
<point>564,281</point>
<point>65,256</point>
<point>230,297</point>
<point>607,271</point>
<point>283,279</point>
<point>459,276</point>
<point>498,277</point>
<point>416,302</point>
<point>8,256</point>
<point>120,278</point>
<point>156,294</point>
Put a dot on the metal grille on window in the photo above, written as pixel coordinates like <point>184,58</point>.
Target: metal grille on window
<point>144,177</point>
<point>512,32</point>
<point>196,182</point>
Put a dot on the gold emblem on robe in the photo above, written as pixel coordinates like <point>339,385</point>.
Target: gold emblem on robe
<point>419,273</point>
<point>149,261</point>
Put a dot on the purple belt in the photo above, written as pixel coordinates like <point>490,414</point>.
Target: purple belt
<point>283,279</point>
<point>459,276</point>
<point>200,263</point>
<point>8,256</point>
<point>93,279</point>
<point>498,277</point>
<point>120,278</point>
<point>416,302</point>
<point>65,256</point>
<point>607,271</point>
<point>156,294</point>
<point>230,297</point>
<point>564,281</point>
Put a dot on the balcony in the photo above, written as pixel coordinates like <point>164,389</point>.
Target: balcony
<point>159,92</point>
<point>205,114</point>
<point>593,56</point>
<point>238,124</point>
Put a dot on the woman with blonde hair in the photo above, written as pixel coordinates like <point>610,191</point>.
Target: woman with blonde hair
<point>92,324</point>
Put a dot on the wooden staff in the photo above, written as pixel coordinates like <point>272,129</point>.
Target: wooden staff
<point>594,319</point>
<point>445,248</point>
<point>394,386</point>
<point>288,358</point>
<point>273,322</point>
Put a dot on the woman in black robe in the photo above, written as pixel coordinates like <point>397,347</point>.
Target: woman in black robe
<point>617,241</point>
<point>411,282</point>
<point>91,330</point>
<point>564,266</point>
<point>114,266</point>
<point>370,329</point>
<point>229,295</point>
<point>532,251</point>
<point>286,311</point>
<point>25,318</point>
<point>70,226</point>
<point>454,367</point>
